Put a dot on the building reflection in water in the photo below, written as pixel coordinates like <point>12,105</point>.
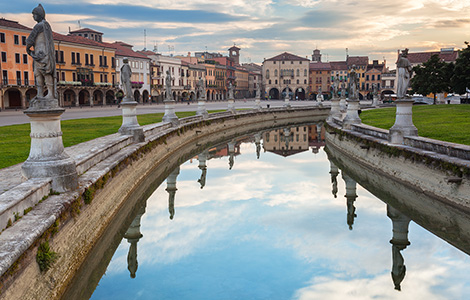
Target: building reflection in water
<point>293,140</point>
<point>133,235</point>
<point>171,189</point>
<point>350,198</point>
<point>399,242</point>
<point>202,158</point>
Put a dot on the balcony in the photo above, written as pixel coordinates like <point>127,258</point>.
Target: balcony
<point>137,84</point>
<point>17,82</point>
<point>187,87</point>
<point>69,83</point>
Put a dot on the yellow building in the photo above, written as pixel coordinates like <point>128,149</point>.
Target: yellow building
<point>242,84</point>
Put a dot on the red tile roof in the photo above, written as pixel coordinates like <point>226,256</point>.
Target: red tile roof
<point>357,60</point>
<point>13,24</point>
<point>421,57</point>
<point>123,49</point>
<point>147,52</point>
<point>79,40</point>
<point>320,66</point>
<point>85,30</point>
<point>287,56</point>
<point>338,65</point>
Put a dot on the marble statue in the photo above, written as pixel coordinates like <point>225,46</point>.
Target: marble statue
<point>43,55</point>
<point>201,88</point>
<point>375,89</point>
<point>230,91</point>
<point>343,90</point>
<point>126,74</point>
<point>258,93</point>
<point>404,74</point>
<point>336,86</point>
<point>168,85</point>
<point>353,83</point>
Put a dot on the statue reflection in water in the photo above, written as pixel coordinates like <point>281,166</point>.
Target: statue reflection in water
<point>334,171</point>
<point>133,235</point>
<point>171,189</point>
<point>203,167</point>
<point>350,198</point>
<point>231,153</point>
<point>258,144</point>
<point>399,242</point>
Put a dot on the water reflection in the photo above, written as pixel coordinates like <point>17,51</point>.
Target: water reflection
<point>270,229</point>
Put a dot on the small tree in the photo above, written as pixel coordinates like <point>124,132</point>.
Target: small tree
<point>460,80</point>
<point>432,76</point>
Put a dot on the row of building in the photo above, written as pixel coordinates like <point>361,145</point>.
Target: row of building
<point>88,72</point>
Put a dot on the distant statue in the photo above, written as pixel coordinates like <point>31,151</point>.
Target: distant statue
<point>126,73</point>
<point>230,90</point>
<point>132,263</point>
<point>375,89</point>
<point>171,203</point>
<point>336,86</point>
<point>43,55</point>
<point>168,85</point>
<point>320,95</point>
<point>404,74</point>
<point>201,88</point>
<point>231,161</point>
<point>202,179</point>
<point>351,212</point>
<point>258,93</point>
<point>398,267</point>
<point>353,83</point>
<point>343,89</point>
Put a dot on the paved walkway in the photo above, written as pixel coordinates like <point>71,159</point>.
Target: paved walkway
<point>11,117</point>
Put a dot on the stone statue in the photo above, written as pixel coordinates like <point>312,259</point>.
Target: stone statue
<point>343,90</point>
<point>398,267</point>
<point>375,89</point>
<point>168,85</point>
<point>258,93</point>
<point>126,73</point>
<point>353,84</point>
<point>320,95</point>
<point>230,90</point>
<point>404,74</point>
<point>43,55</point>
<point>201,88</point>
<point>336,86</point>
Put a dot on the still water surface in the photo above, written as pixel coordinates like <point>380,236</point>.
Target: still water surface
<point>227,225</point>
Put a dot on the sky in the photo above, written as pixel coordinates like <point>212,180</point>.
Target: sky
<point>263,28</point>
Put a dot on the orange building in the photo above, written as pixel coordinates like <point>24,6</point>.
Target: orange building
<point>16,67</point>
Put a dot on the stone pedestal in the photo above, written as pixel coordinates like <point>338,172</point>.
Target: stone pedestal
<point>47,158</point>
<point>257,104</point>
<point>133,235</point>
<point>171,189</point>
<point>343,104</point>
<point>350,198</point>
<point>258,144</point>
<point>287,100</point>
<point>335,111</point>
<point>130,125</point>
<point>375,101</point>
<point>352,115</point>
<point>231,106</point>
<point>403,123</point>
<point>170,115</point>
<point>201,108</point>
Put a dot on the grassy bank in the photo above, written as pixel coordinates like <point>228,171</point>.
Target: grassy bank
<point>448,123</point>
<point>15,141</point>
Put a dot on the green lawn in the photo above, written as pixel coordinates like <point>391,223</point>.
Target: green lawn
<point>15,140</point>
<point>450,123</point>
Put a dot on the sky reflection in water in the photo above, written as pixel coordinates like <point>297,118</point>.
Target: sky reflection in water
<point>271,229</point>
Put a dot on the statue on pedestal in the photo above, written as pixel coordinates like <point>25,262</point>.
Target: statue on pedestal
<point>343,90</point>
<point>353,84</point>
<point>404,74</point>
<point>126,73</point>
<point>168,85</point>
<point>336,86</point>
<point>201,88</point>
<point>43,57</point>
<point>230,90</point>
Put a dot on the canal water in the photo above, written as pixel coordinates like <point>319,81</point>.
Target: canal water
<point>270,217</point>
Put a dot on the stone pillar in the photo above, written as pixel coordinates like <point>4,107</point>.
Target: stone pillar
<point>350,198</point>
<point>2,100</point>
<point>91,100</point>
<point>399,242</point>
<point>258,100</point>
<point>343,103</point>
<point>77,99</point>
<point>23,100</point>
<point>171,189</point>
<point>231,105</point>
<point>335,111</point>
<point>202,157</point>
<point>375,101</point>
<point>352,115</point>
<point>47,158</point>
<point>133,235</point>
<point>334,171</point>
<point>130,125</point>
<point>201,107</point>
<point>258,144</point>
<point>403,123</point>
<point>170,115</point>
<point>231,153</point>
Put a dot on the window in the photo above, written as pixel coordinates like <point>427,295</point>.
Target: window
<point>113,62</point>
<point>105,77</point>
<point>362,75</point>
<point>74,77</point>
<point>18,77</point>
<point>78,58</point>
<point>367,77</point>
<point>373,77</point>
<point>17,58</point>
<point>378,76</point>
<point>283,62</point>
<point>16,39</point>
<point>105,61</point>
<point>101,77</point>
<point>4,56</point>
<point>62,76</point>
<point>101,61</point>
<point>25,58</point>
<point>275,73</point>
<point>275,81</point>
<point>298,72</point>
<point>141,65</point>
<point>297,81</point>
<point>267,74</point>
<point>305,72</point>
<point>86,59</point>
<point>269,81</point>
<point>92,63</point>
<point>26,78</point>
<point>5,77</point>
<point>73,58</point>
<point>305,81</point>
<point>23,40</point>
<point>2,37</point>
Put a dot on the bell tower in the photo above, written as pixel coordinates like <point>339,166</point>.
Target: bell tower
<point>234,54</point>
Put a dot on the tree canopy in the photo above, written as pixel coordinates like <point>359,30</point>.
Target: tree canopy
<point>432,76</point>
<point>460,80</point>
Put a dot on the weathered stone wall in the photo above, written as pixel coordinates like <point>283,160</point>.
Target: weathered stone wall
<point>74,222</point>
